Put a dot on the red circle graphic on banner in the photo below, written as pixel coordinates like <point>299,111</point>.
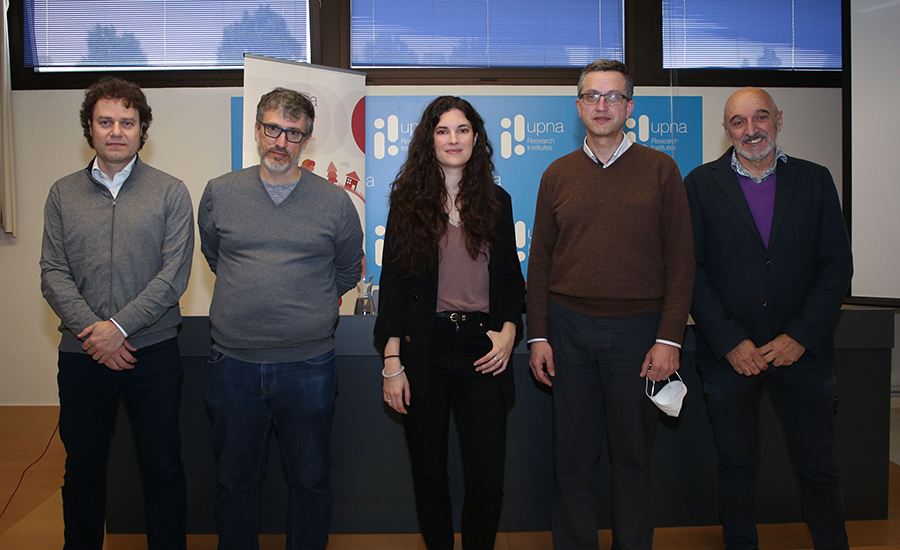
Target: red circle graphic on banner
<point>358,124</point>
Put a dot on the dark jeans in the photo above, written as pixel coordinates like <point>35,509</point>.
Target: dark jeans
<point>479,411</point>
<point>246,400</point>
<point>598,389</point>
<point>804,393</point>
<point>88,397</point>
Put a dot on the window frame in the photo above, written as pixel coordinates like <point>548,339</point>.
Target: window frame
<point>649,30</point>
<point>25,78</point>
<point>787,70</point>
<point>643,26</point>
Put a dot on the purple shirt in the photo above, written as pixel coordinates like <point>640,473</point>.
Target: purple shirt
<point>761,199</point>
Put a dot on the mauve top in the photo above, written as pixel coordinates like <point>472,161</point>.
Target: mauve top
<point>463,283</point>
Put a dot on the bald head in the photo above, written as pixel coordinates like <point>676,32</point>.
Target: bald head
<point>752,122</point>
<point>748,96</point>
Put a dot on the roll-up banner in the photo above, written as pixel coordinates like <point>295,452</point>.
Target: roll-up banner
<point>336,150</point>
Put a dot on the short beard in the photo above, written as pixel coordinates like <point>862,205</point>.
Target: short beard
<point>755,156</point>
<point>279,170</point>
<point>275,169</point>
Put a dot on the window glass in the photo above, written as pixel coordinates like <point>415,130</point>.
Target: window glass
<point>71,35</point>
<point>759,34</point>
<point>485,33</point>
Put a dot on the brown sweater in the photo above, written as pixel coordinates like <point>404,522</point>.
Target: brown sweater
<point>612,242</point>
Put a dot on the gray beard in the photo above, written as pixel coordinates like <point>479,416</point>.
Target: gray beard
<point>758,156</point>
<point>277,170</point>
<point>282,169</point>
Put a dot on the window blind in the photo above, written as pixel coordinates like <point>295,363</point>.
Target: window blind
<point>485,33</point>
<point>762,34</point>
<point>71,35</point>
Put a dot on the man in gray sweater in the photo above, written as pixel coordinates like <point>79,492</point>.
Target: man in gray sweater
<point>115,259</point>
<point>284,244</point>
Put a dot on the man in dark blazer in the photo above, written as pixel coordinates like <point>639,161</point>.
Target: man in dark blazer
<point>773,267</point>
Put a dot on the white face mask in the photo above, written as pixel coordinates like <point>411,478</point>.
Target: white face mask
<point>669,398</point>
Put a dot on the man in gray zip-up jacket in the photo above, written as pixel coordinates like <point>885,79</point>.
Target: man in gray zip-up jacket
<point>116,258</point>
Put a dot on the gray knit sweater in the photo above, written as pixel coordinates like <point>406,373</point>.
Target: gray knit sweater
<point>127,257</point>
<point>280,269</point>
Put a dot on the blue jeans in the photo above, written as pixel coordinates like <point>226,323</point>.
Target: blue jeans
<point>88,397</point>
<point>804,393</point>
<point>246,400</point>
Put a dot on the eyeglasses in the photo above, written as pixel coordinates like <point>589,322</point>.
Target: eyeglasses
<point>613,99</point>
<point>272,131</point>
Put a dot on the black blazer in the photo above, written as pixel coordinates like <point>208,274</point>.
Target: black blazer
<point>796,286</point>
<point>406,305</point>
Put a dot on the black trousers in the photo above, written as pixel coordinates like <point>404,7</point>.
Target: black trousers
<point>479,411</point>
<point>88,397</point>
<point>598,390</point>
<point>805,394</point>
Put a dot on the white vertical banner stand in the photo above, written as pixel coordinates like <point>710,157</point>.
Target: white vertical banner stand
<point>336,151</point>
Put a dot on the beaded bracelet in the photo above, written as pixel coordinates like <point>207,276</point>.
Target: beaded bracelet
<point>383,373</point>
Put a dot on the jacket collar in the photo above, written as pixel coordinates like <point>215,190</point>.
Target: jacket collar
<point>136,172</point>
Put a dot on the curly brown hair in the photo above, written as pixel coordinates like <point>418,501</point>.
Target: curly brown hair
<point>110,87</point>
<point>418,195</point>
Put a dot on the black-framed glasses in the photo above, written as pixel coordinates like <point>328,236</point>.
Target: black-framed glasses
<point>613,99</point>
<point>273,131</point>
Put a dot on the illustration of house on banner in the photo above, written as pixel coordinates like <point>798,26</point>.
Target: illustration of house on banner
<point>351,182</point>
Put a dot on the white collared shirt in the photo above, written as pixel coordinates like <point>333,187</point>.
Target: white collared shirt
<point>116,182</point>
<point>626,143</point>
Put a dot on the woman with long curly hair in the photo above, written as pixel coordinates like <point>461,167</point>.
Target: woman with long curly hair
<point>450,312</point>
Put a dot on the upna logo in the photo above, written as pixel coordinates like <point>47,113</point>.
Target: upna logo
<point>659,135</point>
<point>506,137</point>
<point>516,136</point>
<point>387,140</point>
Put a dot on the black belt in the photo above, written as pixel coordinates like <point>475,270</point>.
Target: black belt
<point>463,316</point>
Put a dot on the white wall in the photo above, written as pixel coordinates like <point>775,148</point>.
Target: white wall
<point>190,138</point>
<point>876,111</point>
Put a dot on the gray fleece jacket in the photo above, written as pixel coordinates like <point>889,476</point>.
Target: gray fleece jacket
<point>280,268</point>
<point>127,257</point>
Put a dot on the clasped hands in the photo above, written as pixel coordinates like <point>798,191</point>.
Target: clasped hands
<point>106,344</point>
<point>749,360</point>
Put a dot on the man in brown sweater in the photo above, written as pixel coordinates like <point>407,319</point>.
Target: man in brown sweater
<point>609,289</point>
